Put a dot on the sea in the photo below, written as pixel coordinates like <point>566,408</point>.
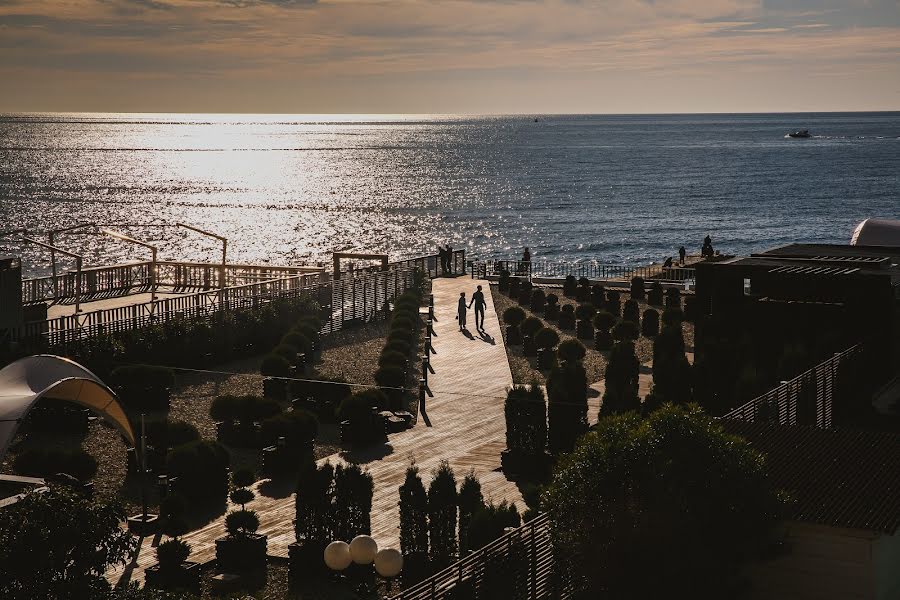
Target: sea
<point>619,189</point>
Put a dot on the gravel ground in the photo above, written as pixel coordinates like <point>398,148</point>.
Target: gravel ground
<point>524,369</point>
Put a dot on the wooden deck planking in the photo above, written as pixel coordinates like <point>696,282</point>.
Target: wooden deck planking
<point>467,428</point>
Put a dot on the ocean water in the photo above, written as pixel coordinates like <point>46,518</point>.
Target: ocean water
<point>618,189</point>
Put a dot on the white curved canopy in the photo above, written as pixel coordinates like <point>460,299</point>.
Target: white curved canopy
<point>29,379</point>
<point>876,232</point>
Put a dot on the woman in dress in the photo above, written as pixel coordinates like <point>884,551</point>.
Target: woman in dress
<point>461,311</point>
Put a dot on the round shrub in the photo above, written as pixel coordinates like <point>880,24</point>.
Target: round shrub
<point>299,341</point>
<point>650,323</point>
<point>552,299</point>
<point>637,288</point>
<point>631,311</point>
<point>584,330</point>
<point>202,470</point>
<point>251,409</point>
<point>172,553</point>
<point>524,297</point>
<point>390,376</point>
<point>538,300</point>
<point>143,387</point>
<point>275,366</point>
<point>241,496</point>
<point>391,358</point>
<point>298,428</point>
<point>570,286</point>
<point>571,351</point>
<point>504,280</point>
<point>513,316</point>
<point>241,522</point>
<point>401,323</point>
<point>531,325</point>
<point>360,404</point>
<point>168,434</point>
<point>287,352</point>
<point>655,296</point>
<point>603,340</point>
<point>310,332</point>
<point>672,317</point>
<point>673,298</point>
<point>604,320</point>
<point>546,338</point>
<point>243,477</point>
<point>515,285</point>
<point>625,331</point>
<point>401,347</point>
<point>46,462</point>
<point>404,335</point>
<point>585,311</point>
<point>224,408</point>
<point>567,317</point>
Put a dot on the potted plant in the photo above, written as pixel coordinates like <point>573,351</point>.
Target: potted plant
<point>525,410</point>
<point>173,570</point>
<point>513,317</point>
<point>242,549</point>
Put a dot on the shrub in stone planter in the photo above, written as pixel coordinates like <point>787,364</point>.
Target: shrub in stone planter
<point>650,323</point>
<point>173,570</point>
<point>529,327</point>
<point>46,462</point>
<point>526,430</point>
<point>614,303</point>
<point>625,331</point>
<point>143,387</point>
<point>513,317</point>
<point>655,297</point>
<point>570,286</point>
<point>567,317</point>
<point>273,367</point>
<point>583,294</point>
<point>326,395</point>
<point>242,549</point>
<point>503,282</point>
<point>571,351</point>
<point>360,423</point>
<point>598,296</point>
<point>538,300</point>
<point>202,471</point>
<point>515,286</point>
<point>584,328</point>
<point>551,309</point>
<point>637,288</point>
<point>632,312</point>
<point>673,298</point>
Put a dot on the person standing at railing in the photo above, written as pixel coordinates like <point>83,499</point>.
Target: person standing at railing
<point>682,254</point>
<point>449,255</point>
<point>442,259</point>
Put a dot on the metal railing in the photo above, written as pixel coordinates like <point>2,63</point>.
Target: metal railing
<point>516,566</point>
<point>431,264</point>
<point>807,399</point>
<point>589,269</point>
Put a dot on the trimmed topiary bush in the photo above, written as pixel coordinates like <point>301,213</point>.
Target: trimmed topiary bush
<point>621,393</point>
<point>598,296</point>
<point>672,317</point>
<point>513,317</point>
<point>637,288</point>
<point>625,331</point>
<point>47,462</point>
<point>531,326</point>
<point>503,282</point>
<point>571,351</point>
<point>490,523</point>
<point>299,341</point>
<point>241,496</point>
<point>566,320</point>
<point>363,426</point>
<point>551,310</point>
<point>673,298</point>
<point>655,297</point>
<point>202,471</point>
<point>515,286</point>
<point>566,406</point>
<point>570,286</point>
<point>143,387</point>
<point>171,554</point>
<point>546,338</point>
<point>392,358</point>
<point>584,328</point>
<point>583,293</point>
<point>614,303</point>
<point>650,323</point>
<point>298,428</point>
<point>538,300</point>
<point>289,353</point>
<point>631,312</point>
<point>399,346</point>
<point>241,522</point>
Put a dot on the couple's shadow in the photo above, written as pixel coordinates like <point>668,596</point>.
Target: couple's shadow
<point>482,334</point>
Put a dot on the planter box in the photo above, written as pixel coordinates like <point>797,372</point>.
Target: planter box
<point>185,576</point>
<point>241,553</point>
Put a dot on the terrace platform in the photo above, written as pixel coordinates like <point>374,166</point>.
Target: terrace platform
<point>467,428</point>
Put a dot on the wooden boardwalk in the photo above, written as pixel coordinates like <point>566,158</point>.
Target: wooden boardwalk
<point>467,428</point>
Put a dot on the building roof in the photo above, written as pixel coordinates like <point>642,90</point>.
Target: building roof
<point>876,232</point>
<point>841,478</point>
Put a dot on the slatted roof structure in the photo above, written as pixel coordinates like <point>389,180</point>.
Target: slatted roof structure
<point>814,270</point>
<point>840,478</point>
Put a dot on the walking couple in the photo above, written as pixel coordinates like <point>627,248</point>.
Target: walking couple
<point>480,305</point>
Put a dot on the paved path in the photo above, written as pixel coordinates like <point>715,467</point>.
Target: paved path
<point>467,428</point>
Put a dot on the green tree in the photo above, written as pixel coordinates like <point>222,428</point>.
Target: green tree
<point>353,490</point>
<point>622,370</point>
<point>672,491</point>
<point>313,505</point>
<point>58,545</point>
<point>488,523</point>
<point>442,516</point>
<point>671,369</point>
<point>413,515</point>
<point>566,402</point>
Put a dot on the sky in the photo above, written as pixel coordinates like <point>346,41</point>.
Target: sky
<point>449,56</point>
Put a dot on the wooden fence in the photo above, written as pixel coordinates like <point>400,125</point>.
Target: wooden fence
<point>517,566</point>
<point>807,399</point>
<point>590,270</point>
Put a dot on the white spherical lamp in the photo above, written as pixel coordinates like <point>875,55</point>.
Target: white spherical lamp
<point>337,556</point>
<point>388,562</point>
<point>363,549</point>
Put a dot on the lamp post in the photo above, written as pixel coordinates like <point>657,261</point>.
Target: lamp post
<point>153,250</point>
<point>222,239</point>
